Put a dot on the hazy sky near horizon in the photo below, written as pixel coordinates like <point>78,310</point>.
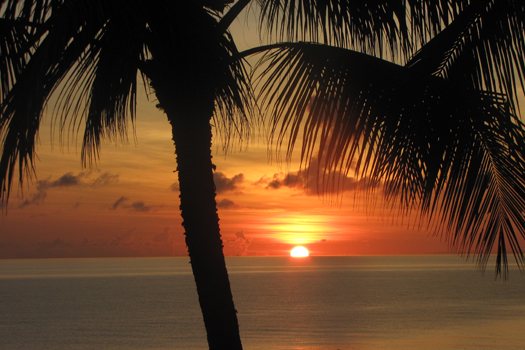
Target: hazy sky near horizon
<point>128,205</point>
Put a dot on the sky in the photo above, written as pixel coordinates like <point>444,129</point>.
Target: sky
<point>127,204</point>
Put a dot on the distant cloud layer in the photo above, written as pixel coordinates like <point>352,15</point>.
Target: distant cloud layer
<point>68,180</point>
<point>227,204</point>
<point>129,241</point>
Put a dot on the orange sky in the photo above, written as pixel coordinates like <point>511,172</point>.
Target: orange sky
<point>128,204</point>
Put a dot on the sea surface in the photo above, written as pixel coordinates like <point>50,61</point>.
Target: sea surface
<point>376,302</point>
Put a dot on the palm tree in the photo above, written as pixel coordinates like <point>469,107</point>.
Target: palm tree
<point>439,132</point>
<point>91,52</point>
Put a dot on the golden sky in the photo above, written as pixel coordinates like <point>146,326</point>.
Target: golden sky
<point>127,205</point>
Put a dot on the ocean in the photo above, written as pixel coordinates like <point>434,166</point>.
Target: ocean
<point>361,303</point>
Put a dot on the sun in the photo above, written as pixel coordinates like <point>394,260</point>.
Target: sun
<point>299,252</point>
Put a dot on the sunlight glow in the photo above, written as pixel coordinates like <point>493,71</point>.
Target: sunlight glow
<point>300,229</point>
<point>299,252</point>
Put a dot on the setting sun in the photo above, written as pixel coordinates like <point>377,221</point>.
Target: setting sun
<point>299,252</point>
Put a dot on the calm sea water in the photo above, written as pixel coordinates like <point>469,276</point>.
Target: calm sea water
<point>393,302</point>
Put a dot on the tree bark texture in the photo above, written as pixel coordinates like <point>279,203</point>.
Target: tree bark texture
<point>192,138</point>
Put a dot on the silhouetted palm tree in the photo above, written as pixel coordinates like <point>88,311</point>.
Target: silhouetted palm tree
<point>438,133</point>
<point>91,51</point>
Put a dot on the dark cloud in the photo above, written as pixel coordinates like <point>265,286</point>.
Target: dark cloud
<point>105,179</point>
<point>223,184</point>
<point>140,207</point>
<point>35,199</point>
<point>66,180</point>
<point>309,181</point>
<point>336,182</point>
<point>227,204</point>
<point>118,202</point>
<point>174,186</point>
<point>291,180</point>
<point>275,184</point>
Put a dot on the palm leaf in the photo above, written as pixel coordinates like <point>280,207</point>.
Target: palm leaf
<point>483,47</point>
<point>377,27</point>
<point>64,44</point>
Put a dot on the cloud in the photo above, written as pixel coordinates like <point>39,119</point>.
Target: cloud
<point>292,180</point>
<point>227,204</point>
<point>140,207</point>
<point>223,183</point>
<point>105,179</point>
<point>65,181</point>
<point>312,183</point>
<point>174,186</point>
<point>238,245</point>
<point>35,199</point>
<point>118,202</point>
<point>124,238</point>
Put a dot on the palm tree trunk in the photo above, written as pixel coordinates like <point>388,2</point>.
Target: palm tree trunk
<point>192,138</point>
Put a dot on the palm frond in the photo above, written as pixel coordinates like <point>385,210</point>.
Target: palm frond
<point>71,57</point>
<point>21,27</point>
<point>23,105</point>
<point>483,47</point>
<point>378,27</point>
<point>454,153</point>
<point>14,49</point>
<point>234,96</point>
<point>102,89</point>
